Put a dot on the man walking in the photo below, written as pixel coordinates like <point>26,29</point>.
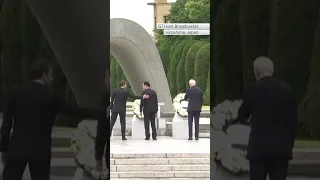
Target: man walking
<point>194,96</point>
<point>149,107</point>
<point>273,110</point>
<point>118,106</point>
<point>30,111</point>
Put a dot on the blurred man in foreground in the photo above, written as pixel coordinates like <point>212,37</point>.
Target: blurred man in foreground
<point>30,112</point>
<point>102,141</point>
<point>194,96</point>
<point>273,110</point>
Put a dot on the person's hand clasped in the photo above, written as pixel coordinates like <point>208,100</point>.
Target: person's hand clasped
<point>145,96</point>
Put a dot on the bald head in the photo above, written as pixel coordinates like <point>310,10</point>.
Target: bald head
<point>263,67</point>
<point>192,82</point>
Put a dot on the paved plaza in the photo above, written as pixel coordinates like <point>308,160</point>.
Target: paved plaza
<point>162,145</point>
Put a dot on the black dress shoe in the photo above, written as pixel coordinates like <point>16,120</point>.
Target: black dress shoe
<point>196,139</point>
<point>124,138</point>
<point>154,139</point>
<point>189,139</point>
<point>147,139</point>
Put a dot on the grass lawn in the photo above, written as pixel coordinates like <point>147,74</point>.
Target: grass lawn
<point>307,144</point>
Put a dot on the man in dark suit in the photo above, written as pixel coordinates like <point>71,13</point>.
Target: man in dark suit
<point>30,112</point>
<point>118,106</point>
<point>273,110</point>
<point>149,107</point>
<point>194,96</point>
<point>102,140</point>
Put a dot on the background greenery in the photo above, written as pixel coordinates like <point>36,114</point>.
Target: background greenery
<point>287,31</point>
<point>183,57</point>
<point>22,42</point>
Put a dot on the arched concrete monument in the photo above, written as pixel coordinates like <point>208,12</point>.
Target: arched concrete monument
<point>79,34</point>
<point>139,58</point>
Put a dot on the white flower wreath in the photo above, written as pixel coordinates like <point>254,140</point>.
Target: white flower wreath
<point>179,105</point>
<point>136,108</point>
<point>223,120</point>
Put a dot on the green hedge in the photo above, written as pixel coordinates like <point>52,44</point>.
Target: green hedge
<point>174,61</point>
<point>190,60</point>
<point>202,66</point>
<point>207,92</point>
<point>113,73</point>
<point>181,75</point>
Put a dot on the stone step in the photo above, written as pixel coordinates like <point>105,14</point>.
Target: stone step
<point>160,161</point>
<point>306,154</point>
<point>167,174</point>
<point>129,168</point>
<point>53,178</point>
<point>60,167</point>
<point>61,152</point>
<point>160,178</point>
<point>158,155</point>
<point>304,168</point>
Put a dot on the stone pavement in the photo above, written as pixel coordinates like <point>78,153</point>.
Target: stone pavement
<point>162,145</point>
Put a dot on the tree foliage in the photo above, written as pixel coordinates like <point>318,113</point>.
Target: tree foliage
<point>181,74</point>
<point>190,60</point>
<point>202,66</point>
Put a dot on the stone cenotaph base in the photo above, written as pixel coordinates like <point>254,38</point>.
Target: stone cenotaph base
<point>180,128</point>
<point>138,131</point>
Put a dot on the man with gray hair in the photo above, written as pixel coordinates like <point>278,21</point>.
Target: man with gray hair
<point>194,96</point>
<point>273,110</point>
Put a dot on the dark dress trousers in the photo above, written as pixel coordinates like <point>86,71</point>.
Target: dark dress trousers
<point>194,96</point>
<point>102,141</point>
<point>118,107</point>
<point>273,110</point>
<point>149,107</point>
<point>30,111</point>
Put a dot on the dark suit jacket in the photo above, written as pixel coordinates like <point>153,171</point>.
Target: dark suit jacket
<point>273,110</point>
<point>194,96</point>
<point>31,111</point>
<point>119,99</point>
<point>150,104</point>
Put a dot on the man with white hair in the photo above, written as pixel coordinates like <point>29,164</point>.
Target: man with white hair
<point>194,96</point>
<point>273,110</point>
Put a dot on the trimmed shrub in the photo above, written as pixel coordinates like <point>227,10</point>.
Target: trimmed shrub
<point>207,92</point>
<point>174,61</point>
<point>113,73</point>
<point>190,60</point>
<point>202,66</point>
<point>172,49</point>
<point>181,75</point>
<point>309,111</point>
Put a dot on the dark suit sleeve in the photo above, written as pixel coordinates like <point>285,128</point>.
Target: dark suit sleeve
<point>294,120</point>
<point>112,99</point>
<point>201,100</point>
<point>186,96</point>
<point>156,100</point>
<point>244,110</point>
<point>7,125</point>
<point>142,101</point>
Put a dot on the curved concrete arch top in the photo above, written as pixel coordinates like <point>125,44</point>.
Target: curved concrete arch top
<point>139,58</point>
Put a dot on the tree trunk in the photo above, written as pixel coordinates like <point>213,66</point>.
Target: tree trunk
<point>291,41</point>
<point>11,41</point>
<point>254,24</point>
<point>309,108</point>
<point>227,52</point>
